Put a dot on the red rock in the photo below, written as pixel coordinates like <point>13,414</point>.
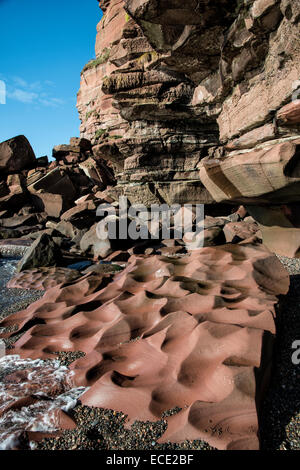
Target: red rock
<point>67,229</point>
<point>279,226</point>
<point>53,204</point>
<point>16,154</point>
<point>42,161</point>
<point>237,231</point>
<point>98,172</point>
<point>14,201</point>
<point>239,176</point>
<point>60,151</point>
<point>84,144</point>
<point>80,210</point>
<point>184,316</point>
<point>289,115</point>
<point>158,62</point>
<point>42,278</point>
<point>55,182</point>
<point>261,7</point>
<point>30,400</point>
<point>252,138</point>
<point>82,199</point>
<point>121,256</point>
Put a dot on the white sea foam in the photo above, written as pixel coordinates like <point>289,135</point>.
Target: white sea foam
<point>41,416</point>
<point>2,348</point>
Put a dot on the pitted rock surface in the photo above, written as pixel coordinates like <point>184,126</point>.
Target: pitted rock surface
<point>193,332</point>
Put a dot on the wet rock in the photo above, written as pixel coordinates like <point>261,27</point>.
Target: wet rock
<point>33,394</point>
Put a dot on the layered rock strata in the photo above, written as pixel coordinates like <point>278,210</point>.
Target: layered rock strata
<point>197,101</point>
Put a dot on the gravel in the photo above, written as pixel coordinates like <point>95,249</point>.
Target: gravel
<point>13,300</point>
<point>100,429</point>
<point>280,420</point>
<point>291,264</point>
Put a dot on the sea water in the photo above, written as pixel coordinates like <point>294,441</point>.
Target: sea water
<point>42,415</point>
<point>11,297</point>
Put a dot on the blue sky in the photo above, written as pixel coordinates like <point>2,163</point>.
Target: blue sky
<point>44,46</point>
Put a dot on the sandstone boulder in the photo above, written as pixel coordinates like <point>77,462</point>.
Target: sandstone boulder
<point>80,211</point>
<point>91,242</point>
<point>280,228</point>
<point>237,231</point>
<point>290,114</point>
<point>78,150</point>
<point>266,174</point>
<point>84,144</point>
<point>98,172</point>
<point>55,182</point>
<point>209,315</point>
<point>16,155</point>
<point>42,253</point>
<point>53,204</point>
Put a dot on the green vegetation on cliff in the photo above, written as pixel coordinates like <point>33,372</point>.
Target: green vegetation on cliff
<point>99,61</point>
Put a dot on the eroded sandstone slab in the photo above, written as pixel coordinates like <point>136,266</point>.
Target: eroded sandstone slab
<point>193,332</point>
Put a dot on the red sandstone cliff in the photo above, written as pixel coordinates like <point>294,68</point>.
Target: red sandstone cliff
<point>197,101</point>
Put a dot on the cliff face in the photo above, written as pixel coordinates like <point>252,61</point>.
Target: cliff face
<point>139,113</point>
<point>197,101</point>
